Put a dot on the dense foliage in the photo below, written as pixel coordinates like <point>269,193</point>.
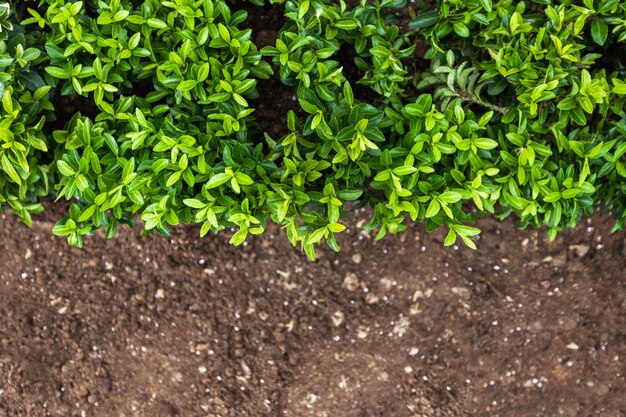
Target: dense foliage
<point>441,116</point>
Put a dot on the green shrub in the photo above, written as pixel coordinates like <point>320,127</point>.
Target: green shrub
<point>525,117</point>
<point>561,119</point>
<point>24,94</point>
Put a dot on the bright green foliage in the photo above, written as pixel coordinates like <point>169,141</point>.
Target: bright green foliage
<point>151,151</point>
<point>558,114</point>
<point>24,101</point>
<point>526,117</point>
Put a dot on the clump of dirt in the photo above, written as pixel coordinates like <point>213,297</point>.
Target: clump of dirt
<point>183,326</point>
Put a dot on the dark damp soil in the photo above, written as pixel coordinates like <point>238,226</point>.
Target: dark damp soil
<point>183,326</point>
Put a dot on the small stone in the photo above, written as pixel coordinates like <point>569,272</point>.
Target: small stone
<point>422,294</point>
<point>338,318</point>
<point>284,274</point>
<point>201,347</point>
<point>528,383</point>
<point>202,369</point>
<point>66,367</point>
<point>81,390</point>
<point>351,282</point>
<point>415,309</point>
<point>27,255</point>
<point>62,310</point>
<point>408,369</point>
<point>414,351</point>
<point>246,369</point>
<point>357,258</point>
<point>560,259</point>
<point>462,292</point>
<point>371,298</point>
<point>362,332</point>
<point>580,250</point>
<point>387,283</point>
<point>160,294</point>
<point>572,346</point>
<point>401,326</point>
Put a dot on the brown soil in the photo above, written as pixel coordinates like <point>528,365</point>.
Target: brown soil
<point>183,326</point>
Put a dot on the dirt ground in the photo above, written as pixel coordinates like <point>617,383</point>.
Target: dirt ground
<point>183,326</point>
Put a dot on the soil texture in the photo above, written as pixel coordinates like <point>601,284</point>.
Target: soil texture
<point>182,326</point>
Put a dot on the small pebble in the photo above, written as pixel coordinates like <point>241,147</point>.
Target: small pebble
<point>351,282</point>
<point>337,318</point>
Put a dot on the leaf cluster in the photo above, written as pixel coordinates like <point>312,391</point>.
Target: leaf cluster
<point>525,117</point>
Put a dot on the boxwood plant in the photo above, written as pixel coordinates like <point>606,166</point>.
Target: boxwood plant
<point>146,108</point>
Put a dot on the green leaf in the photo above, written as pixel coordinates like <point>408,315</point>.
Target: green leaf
<point>599,31</point>
<point>552,197</point>
<point>87,213</point>
<point>349,195</point>
<point>424,20</point>
<point>307,107</point>
<point>316,236</point>
<point>156,23</point>
<point>217,180</point>
<point>187,85</point>
<point>10,170</point>
<point>63,229</point>
<point>486,5</point>
<point>450,238</point>
<point>193,203</point>
<point>57,72</point>
<point>239,237</point>
<point>336,227</point>
<point>461,29</point>
<point>619,86</point>
<point>450,197</point>
<point>433,209</point>
<point>243,179</point>
<point>203,72</point>
<point>65,169</point>
<point>485,143</point>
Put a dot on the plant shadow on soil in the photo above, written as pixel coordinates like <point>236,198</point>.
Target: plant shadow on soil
<point>183,326</point>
